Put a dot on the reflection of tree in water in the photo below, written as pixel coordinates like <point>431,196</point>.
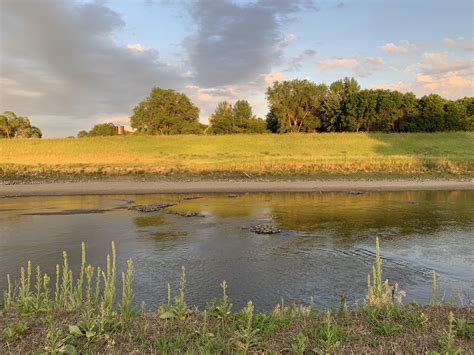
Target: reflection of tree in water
<point>222,206</point>
<point>355,216</point>
<point>150,220</point>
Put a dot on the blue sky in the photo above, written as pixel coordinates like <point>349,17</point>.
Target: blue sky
<point>70,64</point>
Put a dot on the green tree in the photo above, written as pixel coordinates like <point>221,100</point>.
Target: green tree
<point>221,121</point>
<point>408,113</point>
<point>165,112</point>
<point>13,126</point>
<point>242,114</point>
<point>228,119</point>
<point>360,111</point>
<point>82,134</point>
<point>103,129</point>
<point>455,118</point>
<point>468,103</point>
<point>272,121</point>
<point>431,118</point>
<point>387,111</point>
<point>296,105</point>
<point>333,105</point>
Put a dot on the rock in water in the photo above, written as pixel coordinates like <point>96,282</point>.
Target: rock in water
<point>264,229</point>
<point>153,207</point>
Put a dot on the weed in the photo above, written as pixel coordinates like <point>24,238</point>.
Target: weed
<point>465,328</point>
<point>300,343</point>
<point>179,309</point>
<point>434,298</point>
<point>328,336</point>
<point>447,342</point>
<point>127,291</point>
<point>222,308</point>
<point>15,331</point>
<point>381,293</point>
<point>246,336</point>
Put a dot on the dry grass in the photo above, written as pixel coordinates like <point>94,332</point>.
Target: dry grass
<point>287,155</point>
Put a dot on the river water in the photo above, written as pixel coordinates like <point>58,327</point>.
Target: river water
<point>326,245</point>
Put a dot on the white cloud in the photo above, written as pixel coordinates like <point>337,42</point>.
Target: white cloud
<point>288,39</point>
<point>443,62</point>
<point>402,48</point>
<point>136,47</point>
<point>460,42</point>
<point>273,76</point>
<point>442,73</point>
<point>361,66</point>
<point>402,86</point>
<point>337,63</point>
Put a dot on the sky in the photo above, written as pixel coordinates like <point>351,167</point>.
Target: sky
<point>70,64</point>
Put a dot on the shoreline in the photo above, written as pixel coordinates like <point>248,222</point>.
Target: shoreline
<point>132,187</point>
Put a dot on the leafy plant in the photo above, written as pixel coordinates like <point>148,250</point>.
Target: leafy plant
<point>381,293</point>
<point>222,308</point>
<point>300,343</point>
<point>246,336</point>
<point>179,309</point>
<point>127,291</point>
<point>447,342</point>
<point>465,328</point>
<point>328,337</point>
<point>15,331</point>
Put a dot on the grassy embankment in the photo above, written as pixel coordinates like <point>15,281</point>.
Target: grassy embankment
<point>245,156</point>
<point>82,315</point>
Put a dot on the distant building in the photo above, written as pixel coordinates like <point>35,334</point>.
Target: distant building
<point>120,130</point>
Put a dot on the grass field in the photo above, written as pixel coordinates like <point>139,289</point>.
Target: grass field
<point>245,155</point>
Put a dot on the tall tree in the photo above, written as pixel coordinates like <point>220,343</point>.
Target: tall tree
<point>409,112</point>
<point>333,105</point>
<point>296,105</point>
<point>221,120</point>
<point>455,118</point>
<point>228,119</point>
<point>165,112</point>
<point>431,118</point>
<point>360,111</point>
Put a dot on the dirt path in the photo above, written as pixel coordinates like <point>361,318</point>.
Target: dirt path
<point>134,187</point>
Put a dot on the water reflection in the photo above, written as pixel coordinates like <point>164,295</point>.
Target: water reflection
<point>326,244</point>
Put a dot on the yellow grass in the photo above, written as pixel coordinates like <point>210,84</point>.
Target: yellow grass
<point>290,154</point>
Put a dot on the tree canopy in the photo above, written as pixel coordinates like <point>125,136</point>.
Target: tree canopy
<point>99,130</point>
<point>228,119</point>
<point>296,105</point>
<point>13,126</point>
<point>302,106</point>
<point>166,112</point>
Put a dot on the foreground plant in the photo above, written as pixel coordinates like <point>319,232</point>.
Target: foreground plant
<point>83,315</point>
<point>381,293</point>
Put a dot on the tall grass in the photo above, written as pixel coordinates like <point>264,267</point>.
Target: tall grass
<point>291,154</point>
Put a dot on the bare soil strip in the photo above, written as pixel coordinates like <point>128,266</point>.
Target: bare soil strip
<point>135,187</point>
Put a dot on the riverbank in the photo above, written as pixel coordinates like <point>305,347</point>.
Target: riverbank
<point>129,186</point>
<point>417,329</point>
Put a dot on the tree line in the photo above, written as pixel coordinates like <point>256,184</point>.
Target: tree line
<point>294,106</point>
<point>304,106</point>
<point>13,126</point>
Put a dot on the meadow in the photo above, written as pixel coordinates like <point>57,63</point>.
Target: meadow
<point>245,156</point>
<point>89,311</point>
